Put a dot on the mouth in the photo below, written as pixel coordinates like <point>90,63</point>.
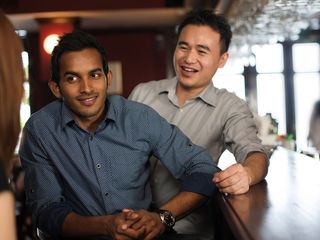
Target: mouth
<point>88,101</point>
<point>188,70</point>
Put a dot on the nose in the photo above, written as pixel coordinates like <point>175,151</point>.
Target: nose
<point>85,86</point>
<point>190,57</point>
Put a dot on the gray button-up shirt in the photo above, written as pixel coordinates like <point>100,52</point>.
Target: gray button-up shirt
<point>215,119</point>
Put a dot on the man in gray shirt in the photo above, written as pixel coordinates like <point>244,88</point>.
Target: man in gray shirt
<point>212,118</point>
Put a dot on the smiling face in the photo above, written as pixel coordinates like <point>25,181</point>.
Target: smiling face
<point>197,57</point>
<point>83,86</point>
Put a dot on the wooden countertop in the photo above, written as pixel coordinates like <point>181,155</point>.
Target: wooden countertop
<point>284,206</point>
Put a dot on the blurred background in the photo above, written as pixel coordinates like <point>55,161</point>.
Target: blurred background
<point>274,55</point>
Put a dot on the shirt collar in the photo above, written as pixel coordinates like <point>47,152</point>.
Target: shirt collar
<point>208,95</point>
<point>169,88</point>
<point>67,117</point>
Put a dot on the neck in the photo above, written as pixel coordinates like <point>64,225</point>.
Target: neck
<point>88,125</point>
<point>91,124</point>
<point>184,94</point>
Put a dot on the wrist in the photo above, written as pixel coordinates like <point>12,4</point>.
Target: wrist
<point>249,175</point>
<point>166,218</point>
<point>108,223</point>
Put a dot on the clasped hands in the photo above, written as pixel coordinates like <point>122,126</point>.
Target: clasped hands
<point>136,224</point>
<point>142,224</point>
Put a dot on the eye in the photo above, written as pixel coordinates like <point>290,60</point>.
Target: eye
<point>202,52</point>
<point>183,47</point>
<point>71,78</point>
<point>96,75</point>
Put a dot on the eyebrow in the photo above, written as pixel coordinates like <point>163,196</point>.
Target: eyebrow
<point>70,73</point>
<point>96,70</point>
<point>199,46</point>
<point>182,43</point>
<point>204,47</point>
<point>75,73</point>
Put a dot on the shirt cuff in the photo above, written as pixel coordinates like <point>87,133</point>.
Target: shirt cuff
<point>198,183</point>
<point>51,219</point>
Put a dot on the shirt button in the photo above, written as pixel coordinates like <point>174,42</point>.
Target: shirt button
<point>181,109</point>
<point>91,138</point>
<point>106,194</point>
<point>98,165</point>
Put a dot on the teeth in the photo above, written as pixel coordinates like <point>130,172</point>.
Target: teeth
<point>89,99</point>
<point>188,69</point>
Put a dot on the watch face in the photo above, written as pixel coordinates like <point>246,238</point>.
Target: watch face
<point>167,218</point>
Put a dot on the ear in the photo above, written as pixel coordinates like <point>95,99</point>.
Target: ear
<point>223,59</point>
<point>109,78</point>
<point>55,89</point>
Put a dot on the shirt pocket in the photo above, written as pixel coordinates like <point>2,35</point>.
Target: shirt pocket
<point>129,170</point>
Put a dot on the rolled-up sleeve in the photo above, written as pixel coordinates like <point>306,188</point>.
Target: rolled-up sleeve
<point>42,186</point>
<point>187,161</point>
<point>240,131</point>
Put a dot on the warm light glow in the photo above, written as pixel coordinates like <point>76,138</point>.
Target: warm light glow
<point>50,42</point>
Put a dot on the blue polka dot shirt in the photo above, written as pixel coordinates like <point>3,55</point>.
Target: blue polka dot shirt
<point>98,173</point>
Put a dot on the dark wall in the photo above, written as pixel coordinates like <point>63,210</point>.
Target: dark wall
<point>141,53</point>
<point>25,6</point>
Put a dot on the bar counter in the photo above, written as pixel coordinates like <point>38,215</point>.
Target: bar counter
<point>286,205</point>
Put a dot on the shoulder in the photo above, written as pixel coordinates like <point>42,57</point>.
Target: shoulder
<point>154,85</point>
<point>149,89</point>
<point>134,115</point>
<point>128,107</point>
<point>47,114</point>
<point>225,97</point>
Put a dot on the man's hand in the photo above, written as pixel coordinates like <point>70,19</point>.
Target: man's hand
<point>145,222</point>
<point>121,226</point>
<point>233,180</point>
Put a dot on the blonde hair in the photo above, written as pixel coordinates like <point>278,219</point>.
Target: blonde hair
<point>11,90</point>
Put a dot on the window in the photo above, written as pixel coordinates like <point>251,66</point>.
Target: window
<point>230,77</point>
<point>270,98</point>
<point>25,107</point>
<point>306,62</point>
<point>270,83</point>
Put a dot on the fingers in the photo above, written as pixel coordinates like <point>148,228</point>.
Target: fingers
<point>122,226</point>
<point>237,188</point>
<point>149,223</point>
<point>135,233</point>
<point>233,180</point>
<point>230,171</point>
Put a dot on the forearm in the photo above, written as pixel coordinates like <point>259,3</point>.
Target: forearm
<point>195,190</point>
<point>184,203</point>
<point>256,165</point>
<point>76,225</point>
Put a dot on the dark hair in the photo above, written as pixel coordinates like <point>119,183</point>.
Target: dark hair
<point>75,41</point>
<point>205,17</point>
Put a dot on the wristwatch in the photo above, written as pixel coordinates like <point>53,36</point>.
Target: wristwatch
<point>166,217</point>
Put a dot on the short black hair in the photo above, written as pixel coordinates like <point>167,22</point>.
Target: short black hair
<point>75,41</point>
<point>206,17</point>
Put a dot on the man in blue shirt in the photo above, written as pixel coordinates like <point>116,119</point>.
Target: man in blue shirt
<point>86,155</point>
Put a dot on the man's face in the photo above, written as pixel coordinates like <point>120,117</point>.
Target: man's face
<point>83,84</point>
<point>197,56</point>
